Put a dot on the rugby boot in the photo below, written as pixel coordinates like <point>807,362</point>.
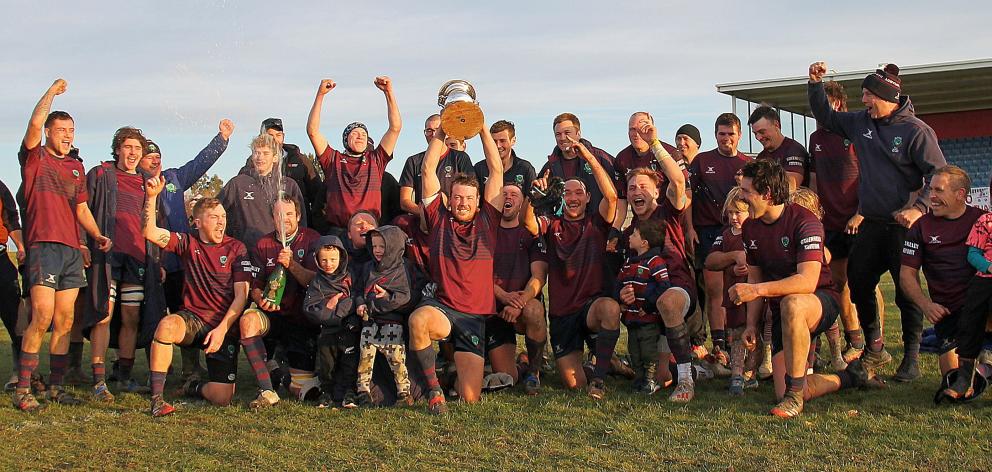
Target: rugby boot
<point>59,395</point>
<point>596,389</point>
<point>908,371</point>
<point>265,399</point>
<point>435,403</point>
<point>532,384</point>
<point>160,407</point>
<point>790,406</point>
<point>101,393</point>
<point>25,401</point>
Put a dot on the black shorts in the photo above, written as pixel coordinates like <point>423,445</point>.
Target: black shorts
<point>467,331</point>
<point>570,332</point>
<point>299,341</point>
<point>126,269</point>
<point>55,266</point>
<point>499,332</point>
<point>707,236</point>
<point>839,244</point>
<point>830,310</point>
<point>222,366</point>
<point>173,287</point>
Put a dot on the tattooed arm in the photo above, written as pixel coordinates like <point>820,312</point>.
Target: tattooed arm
<point>158,236</point>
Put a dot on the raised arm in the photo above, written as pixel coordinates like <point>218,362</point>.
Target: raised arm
<point>676,192</point>
<point>388,141</point>
<point>313,122</point>
<point>429,183</point>
<point>825,114</point>
<point>608,206</point>
<point>32,137</point>
<point>158,236</point>
<point>494,186</point>
<point>191,171</point>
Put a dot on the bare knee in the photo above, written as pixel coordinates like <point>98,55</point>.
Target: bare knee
<point>250,325</point>
<point>169,330</point>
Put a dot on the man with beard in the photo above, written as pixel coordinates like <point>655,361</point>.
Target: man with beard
<point>520,271</point>
<point>580,308</point>
<point>55,208</point>
<point>515,170</point>
<point>462,249</point>
<point>353,178</point>
<point>644,187</point>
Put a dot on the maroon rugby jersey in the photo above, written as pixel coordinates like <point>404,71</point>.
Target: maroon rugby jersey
<point>674,252</point>
<point>628,159</point>
<point>792,156</point>
<point>712,177</point>
<point>778,248</point>
<point>939,246</point>
<point>417,243</point>
<point>264,259</point>
<point>516,249</point>
<point>576,252</point>
<point>128,234</point>
<point>53,186</point>
<point>211,270</point>
<point>835,164</point>
<point>730,242</point>
<point>353,183</point>
<point>461,256</point>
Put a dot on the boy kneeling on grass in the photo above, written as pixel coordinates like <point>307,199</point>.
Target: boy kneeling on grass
<point>642,279</point>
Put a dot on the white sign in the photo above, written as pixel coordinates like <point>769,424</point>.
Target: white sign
<point>979,197</point>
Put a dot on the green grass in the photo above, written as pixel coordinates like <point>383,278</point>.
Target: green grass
<point>895,429</point>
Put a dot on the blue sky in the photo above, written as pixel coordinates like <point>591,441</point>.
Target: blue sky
<point>175,69</point>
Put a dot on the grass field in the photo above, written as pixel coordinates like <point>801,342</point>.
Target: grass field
<point>895,429</point>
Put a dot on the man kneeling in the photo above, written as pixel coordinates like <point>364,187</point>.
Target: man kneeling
<point>787,266</point>
<point>217,275</point>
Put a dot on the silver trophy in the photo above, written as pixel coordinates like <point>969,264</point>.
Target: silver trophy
<point>461,117</point>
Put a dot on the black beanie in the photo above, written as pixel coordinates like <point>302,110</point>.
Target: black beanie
<point>690,131</point>
<point>152,148</point>
<point>884,83</point>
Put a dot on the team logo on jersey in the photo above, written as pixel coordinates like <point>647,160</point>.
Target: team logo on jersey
<point>141,272</point>
<point>817,148</point>
<point>223,261</point>
<point>640,271</point>
<point>558,235</point>
<point>785,241</point>
<point>709,170</point>
<point>935,239</point>
<point>249,195</point>
<point>847,142</point>
<point>475,340</point>
<point>586,167</point>
<point>867,134</point>
<point>299,253</point>
<point>896,142</point>
<point>447,171</point>
<point>518,179</point>
<point>269,262</point>
<point>170,187</point>
<point>75,173</point>
<point>754,244</point>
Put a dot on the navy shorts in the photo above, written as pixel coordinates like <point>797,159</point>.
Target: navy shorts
<point>222,366</point>
<point>570,332</point>
<point>499,332</point>
<point>707,236</point>
<point>126,269</point>
<point>468,331</point>
<point>56,266</point>
<point>830,309</point>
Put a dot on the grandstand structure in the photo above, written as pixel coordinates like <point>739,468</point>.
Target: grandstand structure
<point>954,98</point>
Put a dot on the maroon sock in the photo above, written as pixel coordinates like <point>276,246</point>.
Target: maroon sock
<point>427,358</point>
<point>158,383</point>
<point>58,363</point>
<point>28,364</point>
<point>99,372</point>
<point>255,351</point>
<point>855,338</point>
<point>606,343</point>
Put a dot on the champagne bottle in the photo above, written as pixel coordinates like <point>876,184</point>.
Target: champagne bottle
<point>276,286</point>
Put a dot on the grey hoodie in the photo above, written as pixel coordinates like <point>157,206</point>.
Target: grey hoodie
<point>324,286</point>
<point>897,154</point>
<point>391,274</point>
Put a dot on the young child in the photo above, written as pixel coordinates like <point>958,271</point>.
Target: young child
<point>975,314</point>
<point>384,304</point>
<point>642,280</point>
<point>328,302</point>
<point>727,255</point>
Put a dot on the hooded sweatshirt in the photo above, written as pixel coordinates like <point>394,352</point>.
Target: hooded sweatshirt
<point>248,200</point>
<point>897,154</point>
<point>391,274</point>
<point>324,286</point>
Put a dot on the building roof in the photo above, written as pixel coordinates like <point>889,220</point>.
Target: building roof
<point>934,88</point>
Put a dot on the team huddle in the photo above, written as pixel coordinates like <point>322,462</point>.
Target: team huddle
<point>344,286</point>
